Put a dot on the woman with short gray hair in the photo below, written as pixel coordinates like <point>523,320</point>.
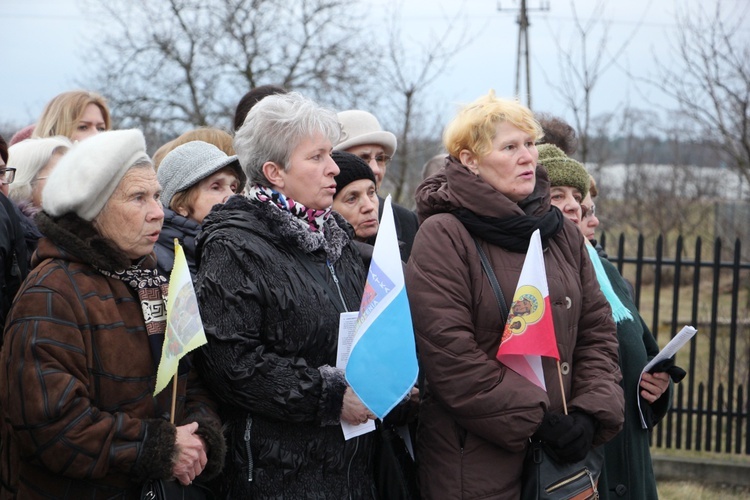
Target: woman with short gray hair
<point>276,269</point>
<point>266,136</point>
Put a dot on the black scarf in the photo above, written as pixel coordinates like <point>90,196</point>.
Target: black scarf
<point>512,233</point>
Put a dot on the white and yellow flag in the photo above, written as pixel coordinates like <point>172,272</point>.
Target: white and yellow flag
<point>184,326</point>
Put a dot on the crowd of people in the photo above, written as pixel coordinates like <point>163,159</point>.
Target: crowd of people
<point>278,219</point>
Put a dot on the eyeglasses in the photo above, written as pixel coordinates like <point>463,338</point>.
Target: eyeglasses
<point>7,175</point>
<point>381,159</point>
<point>588,212</point>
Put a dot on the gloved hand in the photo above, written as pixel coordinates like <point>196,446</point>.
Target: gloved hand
<point>675,372</point>
<point>568,438</point>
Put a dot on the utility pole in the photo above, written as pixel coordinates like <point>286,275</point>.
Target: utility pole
<point>523,50</point>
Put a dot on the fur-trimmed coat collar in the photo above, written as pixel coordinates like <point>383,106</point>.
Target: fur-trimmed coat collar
<point>78,240</point>
<point>280,227</point>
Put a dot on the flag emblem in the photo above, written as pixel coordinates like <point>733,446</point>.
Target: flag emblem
<point>184,325</point>
<point>529,332</point>
<point>382,366</point>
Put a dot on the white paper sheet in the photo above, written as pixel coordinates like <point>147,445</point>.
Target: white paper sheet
<point>347,331</point>
<point>669,350</point>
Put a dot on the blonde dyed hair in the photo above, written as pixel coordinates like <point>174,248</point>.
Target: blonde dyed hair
<point>475,125</point>
<point>219,138</point>
<point>63,112</point>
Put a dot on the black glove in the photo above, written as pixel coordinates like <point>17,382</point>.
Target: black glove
<point>554,425</point>
<point>675,372</point>
<point>568,438</point>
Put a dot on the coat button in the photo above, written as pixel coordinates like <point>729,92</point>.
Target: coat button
<point>621,489</point>
<point>568,302</point>
<point>564,367</point>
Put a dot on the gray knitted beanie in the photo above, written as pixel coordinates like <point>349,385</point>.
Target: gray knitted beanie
<point>190,163</point>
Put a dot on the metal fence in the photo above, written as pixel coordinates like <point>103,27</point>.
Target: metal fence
<point>710,407</point>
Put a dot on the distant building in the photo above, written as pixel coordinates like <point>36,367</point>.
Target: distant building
<point>620,181</point>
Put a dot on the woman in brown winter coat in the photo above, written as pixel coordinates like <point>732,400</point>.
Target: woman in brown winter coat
<point>477,415</point>
<point>83,341</point>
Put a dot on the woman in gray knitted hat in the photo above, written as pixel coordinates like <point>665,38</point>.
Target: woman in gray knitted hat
<point>194,177</point>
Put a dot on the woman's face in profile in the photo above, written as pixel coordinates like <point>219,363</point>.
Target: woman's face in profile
<point>309,178</point>
<point>90,123</point>
<point>568,199</point>
<point>510,166</point>
<point>133,216</point>
<point>213,190</point>
<point>358,204</point>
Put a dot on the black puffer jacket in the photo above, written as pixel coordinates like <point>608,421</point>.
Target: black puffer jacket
<point>186,231</point>
<point>272,340</point>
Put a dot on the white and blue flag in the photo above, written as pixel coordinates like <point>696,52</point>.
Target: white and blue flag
<point>382,366</point>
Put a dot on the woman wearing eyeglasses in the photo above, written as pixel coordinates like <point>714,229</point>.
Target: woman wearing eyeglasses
<point>30,162</point>
<point>34,160</point>
<point>13,251</point>
<point>627,471</point>
<point>362,135</point>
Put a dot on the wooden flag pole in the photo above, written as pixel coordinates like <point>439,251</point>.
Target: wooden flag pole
<point>562,388</point>
<point>174,396</point>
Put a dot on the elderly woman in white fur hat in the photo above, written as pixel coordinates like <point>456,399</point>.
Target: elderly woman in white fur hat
<point>194,177</point>
<point>84,338</point>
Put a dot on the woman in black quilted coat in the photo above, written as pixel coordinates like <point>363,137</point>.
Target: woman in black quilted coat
<point>276,267</point>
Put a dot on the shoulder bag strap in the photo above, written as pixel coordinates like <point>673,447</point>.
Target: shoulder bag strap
<point>493,281</point>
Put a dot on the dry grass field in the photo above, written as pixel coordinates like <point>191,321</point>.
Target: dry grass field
<point>669,490</point>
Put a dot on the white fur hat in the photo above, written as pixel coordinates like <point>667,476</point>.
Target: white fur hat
<point>360,127</point>
<point>89,173</point>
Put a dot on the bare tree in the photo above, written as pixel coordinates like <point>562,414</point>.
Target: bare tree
<point>709,77</point>
<point>581,65</point>
<point>409,69</point>
<point>172,64</point>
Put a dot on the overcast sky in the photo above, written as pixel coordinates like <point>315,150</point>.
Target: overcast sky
<point>44,42</point>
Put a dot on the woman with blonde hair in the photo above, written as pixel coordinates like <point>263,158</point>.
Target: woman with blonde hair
<point>477,415</point>
<point>77,115</point>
